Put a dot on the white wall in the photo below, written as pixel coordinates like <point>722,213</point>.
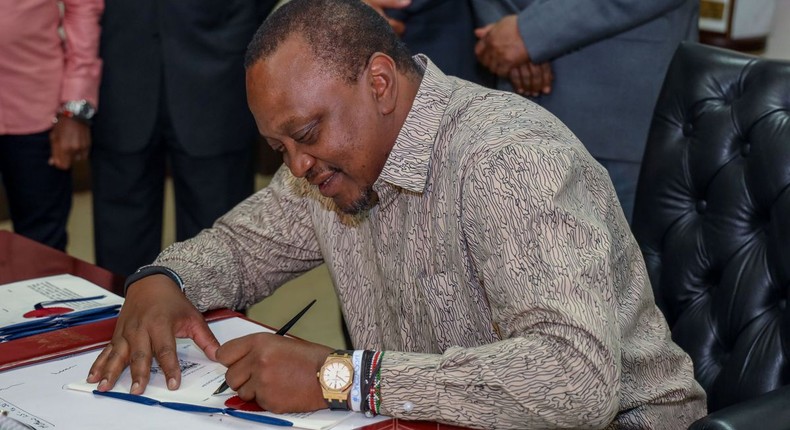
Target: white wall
<point>778,45</point>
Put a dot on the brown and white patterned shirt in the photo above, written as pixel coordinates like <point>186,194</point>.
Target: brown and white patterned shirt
<point>497,272</point>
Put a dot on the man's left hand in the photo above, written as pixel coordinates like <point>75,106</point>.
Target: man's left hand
<point>279,373</point>
<point>500,47</point>
<point>70,141</point>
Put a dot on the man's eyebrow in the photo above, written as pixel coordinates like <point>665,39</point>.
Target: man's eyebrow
<point>293,124</point>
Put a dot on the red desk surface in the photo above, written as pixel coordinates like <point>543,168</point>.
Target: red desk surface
<point>22,258</point>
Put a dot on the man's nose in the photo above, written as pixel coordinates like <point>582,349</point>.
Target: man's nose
<point>299,162</point>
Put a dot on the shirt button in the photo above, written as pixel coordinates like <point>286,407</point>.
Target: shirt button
<point>408,406</point>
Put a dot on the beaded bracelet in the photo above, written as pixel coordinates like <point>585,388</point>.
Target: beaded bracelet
<point>373,399</point>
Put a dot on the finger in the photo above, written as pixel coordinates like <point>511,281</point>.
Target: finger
<point>245,389</point>
<point>117,360</point>
<point>548,77</point>
<point>233,350</point>
<point>61,161</point>
<point>390,4</point>
<point>399,27</point>
<point>97,369</point>
<point>59,158</point>
<point>205,340</point>
<point>536,79</point>
<point>164,350</point>
<point>482,31</point>
<point>237,376</point>
<point>140,363</point>
<point>516,80</point>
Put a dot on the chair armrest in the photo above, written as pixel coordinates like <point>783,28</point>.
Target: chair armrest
<point>770,411</point>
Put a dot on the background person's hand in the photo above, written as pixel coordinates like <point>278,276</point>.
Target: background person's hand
<point>531,79</point>
<point>279,373</point>
<point>154,313</point>
<point>70,141</point>
<point>379,5</point>
<point>500,47</point>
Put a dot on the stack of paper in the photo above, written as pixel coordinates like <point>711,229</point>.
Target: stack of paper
<point>45,304</point>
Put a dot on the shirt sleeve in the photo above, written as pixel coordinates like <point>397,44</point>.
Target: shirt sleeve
<point>534,225</point>
<point>82,68</point>
<point>265,241</point>
<point>551,29</point>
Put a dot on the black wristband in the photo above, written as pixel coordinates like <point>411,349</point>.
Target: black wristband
<point>152,270</point>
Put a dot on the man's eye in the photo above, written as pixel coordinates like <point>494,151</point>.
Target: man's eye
<point>307,136</point>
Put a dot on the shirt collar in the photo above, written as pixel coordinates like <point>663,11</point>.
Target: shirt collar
<point>409,160</point>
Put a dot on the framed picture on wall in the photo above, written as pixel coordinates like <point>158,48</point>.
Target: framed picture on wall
<point>736,24</point>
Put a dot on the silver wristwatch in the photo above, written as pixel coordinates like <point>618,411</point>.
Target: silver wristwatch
<point>81,110</point>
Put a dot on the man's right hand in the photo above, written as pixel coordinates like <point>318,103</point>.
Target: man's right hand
<point>154,313</point>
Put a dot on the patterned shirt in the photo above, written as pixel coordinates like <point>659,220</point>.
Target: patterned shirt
<point>497,272</point>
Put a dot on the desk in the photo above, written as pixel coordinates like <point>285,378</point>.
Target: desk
<point>22,258</point>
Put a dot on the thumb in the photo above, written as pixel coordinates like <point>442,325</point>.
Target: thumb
<point>482,31</point>
<point>206,341</point>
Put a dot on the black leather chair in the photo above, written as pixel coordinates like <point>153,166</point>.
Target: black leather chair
<point>712,216</point>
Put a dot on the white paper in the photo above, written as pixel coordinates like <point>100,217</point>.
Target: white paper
<point>18,298</point>
<point>46,395</point>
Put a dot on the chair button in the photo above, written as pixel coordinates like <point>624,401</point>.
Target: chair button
<point>687,129</point>
<point>746,149</point>
<point>702,205</point>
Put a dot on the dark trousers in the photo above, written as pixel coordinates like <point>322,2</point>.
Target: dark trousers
<point>128,195</point>
<point>39,195</point>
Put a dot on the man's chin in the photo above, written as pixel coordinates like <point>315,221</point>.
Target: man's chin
<point>363,203</point>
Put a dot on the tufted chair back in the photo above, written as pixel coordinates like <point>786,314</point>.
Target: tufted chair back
<point>712,217</point>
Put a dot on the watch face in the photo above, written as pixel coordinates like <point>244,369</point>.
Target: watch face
<point>336,376</point>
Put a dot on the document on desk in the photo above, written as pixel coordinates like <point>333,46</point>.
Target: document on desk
<point>40,298</point>
<point>53,395</point>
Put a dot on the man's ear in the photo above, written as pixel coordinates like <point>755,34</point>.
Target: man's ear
<point>383,79</point>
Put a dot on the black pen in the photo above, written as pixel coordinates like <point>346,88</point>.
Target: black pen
<point>281,332</point>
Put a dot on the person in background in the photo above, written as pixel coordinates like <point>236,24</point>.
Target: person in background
<point>441,29</point>
<point>598,66</point>
<point>49,87</point>
<point>482,261</point>
<point>173,102</point>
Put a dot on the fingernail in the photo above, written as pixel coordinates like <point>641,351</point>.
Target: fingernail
<point>135,388</point>
<point>171,383</point>
<point>102,385</point>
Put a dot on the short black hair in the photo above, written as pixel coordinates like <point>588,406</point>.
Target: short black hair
<point>342,34</point>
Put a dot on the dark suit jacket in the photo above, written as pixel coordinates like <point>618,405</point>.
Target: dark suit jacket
<point>609,59</point>
<point>444,31</point>
<point>195,48</point>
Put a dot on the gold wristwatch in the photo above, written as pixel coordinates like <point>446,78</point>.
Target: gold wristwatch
<point>336,377</point>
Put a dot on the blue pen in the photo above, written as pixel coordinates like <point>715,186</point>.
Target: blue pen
<point>188,407</point>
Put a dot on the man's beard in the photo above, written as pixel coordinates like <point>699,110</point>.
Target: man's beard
<point>367,199</point>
